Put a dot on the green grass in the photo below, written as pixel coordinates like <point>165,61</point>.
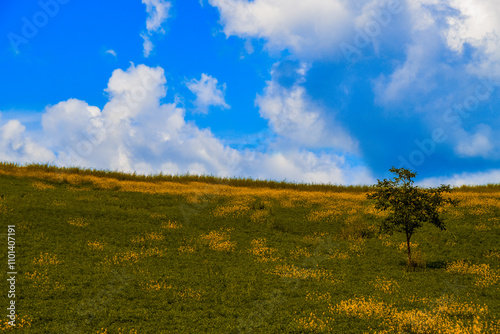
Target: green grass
<point>187,178</point>
<point>210,291</point>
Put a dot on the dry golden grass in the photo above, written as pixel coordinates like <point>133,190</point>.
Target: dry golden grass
<point>219,241</point>
<point>96,245</point>
<point>485,275</point>
<point>450,306</point>
<point>312,323</point>
<point>196,191</point>
<point>181,293</point>
<point>440,318</point>
<point>46,259</point>
<point>262,252</point>
<point>299,253</point>
<point>21,322</point>
<point>483,226</point>
<point>259,216</point>
<point>361,308</point>
<point>357,246</point>
<point>120,331</point>
<point>42,282</point>
<point>493,254</point>
<point>418,321</point>
<point>288,203</point>
<point>319,297</point>
<point>385,285</point>
<point>158,216</point>
<point>80,222</point>
<point>338,255</point>
<point>171,225</point>
<point>42,186</point>
<point>152,236</point>
<point>315,238</point>
<point>188,293</point>
<point>132,257</point>
<point>333,203</point>
<point>186,249</point>
<point>291,271</point>
<point>238,207</point>
<point>328,215</point>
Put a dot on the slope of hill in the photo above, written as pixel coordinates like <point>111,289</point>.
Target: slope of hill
<point>104,252</point>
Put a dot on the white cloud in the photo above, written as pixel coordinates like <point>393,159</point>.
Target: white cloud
<point>208,93</point>
<point>309,29</point>
<point>15,146</point>
<point>135,132</point>
<point>147,46</point>
<point>317,28</point>
<point>138,87</point>
<point>68,121</point>
<point>463,22</point>
<point>158,13</point>
<point>479,26</point>
<point>305,166</point>
<point>457,180</point>
<point>433,80</point>
<point>415,76</point>
<point>304,27</point>
<point>293,115</point>
<point>111,52</point>
<point>478,144</point>
<point>439,24</point>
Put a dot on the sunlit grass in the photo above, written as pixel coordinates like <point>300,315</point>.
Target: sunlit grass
<point>219,241</point>
<point>179,255</point>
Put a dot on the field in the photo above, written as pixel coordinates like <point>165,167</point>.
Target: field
<point>101,252</point>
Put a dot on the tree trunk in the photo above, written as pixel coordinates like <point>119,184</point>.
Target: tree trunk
<point>409,249</point>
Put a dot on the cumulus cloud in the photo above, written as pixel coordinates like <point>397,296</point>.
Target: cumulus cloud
<point>135,132</point>
<point>309,29</point>
<point>158,13</point>
<point>292,114</point>
<point>457,180</point>
<point>68,120</point>
<point>208,93</point>
<point>15,146</point>
<point>304,27</point>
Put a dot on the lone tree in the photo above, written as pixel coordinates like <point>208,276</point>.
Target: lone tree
<point>409,206</point>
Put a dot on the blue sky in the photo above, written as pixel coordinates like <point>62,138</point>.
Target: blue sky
<point>307,91</point>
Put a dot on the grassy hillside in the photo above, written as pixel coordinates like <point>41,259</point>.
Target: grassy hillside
<point>105,252</point>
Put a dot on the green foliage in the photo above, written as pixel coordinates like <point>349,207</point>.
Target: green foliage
<point>409,206</point>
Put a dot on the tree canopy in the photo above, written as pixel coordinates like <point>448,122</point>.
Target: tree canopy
<point>409,206</point>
